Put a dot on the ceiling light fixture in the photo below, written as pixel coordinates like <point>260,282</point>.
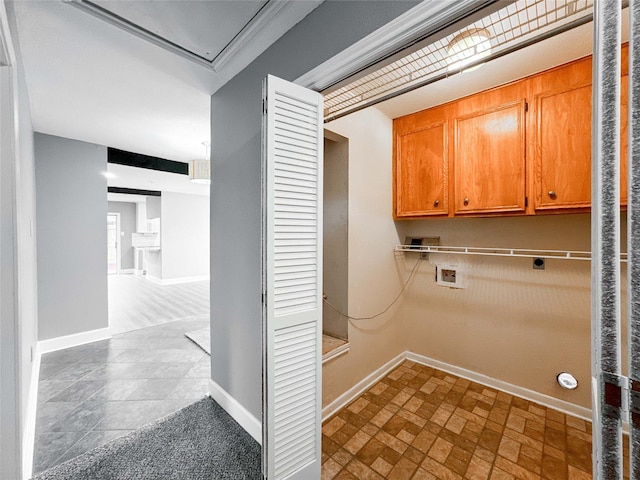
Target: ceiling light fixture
<point>468,47</point>
<point>200,170</point>
<point>108,175</point>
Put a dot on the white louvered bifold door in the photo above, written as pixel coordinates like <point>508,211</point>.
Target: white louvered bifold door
<point>292,266</point>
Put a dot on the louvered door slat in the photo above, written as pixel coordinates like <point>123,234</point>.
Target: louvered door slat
<point>293,280</point>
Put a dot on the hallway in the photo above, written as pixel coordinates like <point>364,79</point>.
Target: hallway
<point>97,392</point>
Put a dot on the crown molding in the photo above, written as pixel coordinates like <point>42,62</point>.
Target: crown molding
<point>259,22</point>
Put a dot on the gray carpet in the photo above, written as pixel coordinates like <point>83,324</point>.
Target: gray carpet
<point>200,441</point>
<point>202,338</point>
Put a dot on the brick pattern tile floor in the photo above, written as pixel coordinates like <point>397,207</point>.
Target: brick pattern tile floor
<point>422,423</point>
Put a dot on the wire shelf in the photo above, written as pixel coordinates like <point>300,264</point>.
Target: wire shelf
<point>501,252</point>
<point>514,24</point>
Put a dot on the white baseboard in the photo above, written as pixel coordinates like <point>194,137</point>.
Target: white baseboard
<point>361,386</point>
<point>126,271</point>
<point>29,434</point>
<point>251,424</point>
<point>68,341</point>
<point>369,380</point>
<point>531,395</point>
<point>176,281</point>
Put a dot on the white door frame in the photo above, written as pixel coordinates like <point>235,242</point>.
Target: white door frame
<point>11,398</point>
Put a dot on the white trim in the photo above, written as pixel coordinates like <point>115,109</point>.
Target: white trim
<point>251,424</point>
<point>423,19</point>
<point>369,380</point>
<point>176,281</point>
<point>361,386</point>
<point>249,31</point>
<point>7,53</point>
<point>11,458</point>
<point>73,340</point>
<point>335,353</point>
<point>151,278</point>
<point>539,398</point>
<point>127,271</point>
<point>29,434</point>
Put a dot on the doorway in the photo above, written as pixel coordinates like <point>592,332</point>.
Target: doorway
<point>113,244</point>
<point>335,244</point>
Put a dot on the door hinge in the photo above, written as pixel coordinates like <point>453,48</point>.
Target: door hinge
<point>264,298</point>
<point>526,201</point>
<point>526,106</point>
<point>264,107</point>
<point>621,397</point>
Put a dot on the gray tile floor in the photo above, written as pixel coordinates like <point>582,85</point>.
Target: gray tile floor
<point>96,392</point>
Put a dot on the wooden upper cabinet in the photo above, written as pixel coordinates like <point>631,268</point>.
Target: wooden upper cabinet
<point>489,157</point>
<point>421,167</point>
<point>561,149</point>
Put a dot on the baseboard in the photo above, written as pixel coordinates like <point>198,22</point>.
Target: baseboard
<point>176,281</point>
<point>251,424</point>
<point>361,386</point>
<point>126,271</point>
<point>531,395</point>
<point>369,380</point>
<point>68,341</point>
<point>28,442</point>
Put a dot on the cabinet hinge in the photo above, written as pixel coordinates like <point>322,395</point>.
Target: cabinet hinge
<point>526,106</point>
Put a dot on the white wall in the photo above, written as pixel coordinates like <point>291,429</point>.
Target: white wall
<point>71,199</point>
<point>154,258</point>
<point>376,275</point>
<point>184,236</point>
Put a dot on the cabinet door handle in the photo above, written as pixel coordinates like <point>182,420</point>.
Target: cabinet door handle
<point>552,194</point>
<point>436,203</point>
<point>466,201</point>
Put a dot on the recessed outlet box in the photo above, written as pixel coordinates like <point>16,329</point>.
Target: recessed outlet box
<point>422,241</point>
<point>450,276</point>
<point>538,263</point>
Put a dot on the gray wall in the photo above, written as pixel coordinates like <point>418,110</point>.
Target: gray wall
<point>336,236</point>
<point>71,205</point>
<point>127,211</point>
<point>236,214</point>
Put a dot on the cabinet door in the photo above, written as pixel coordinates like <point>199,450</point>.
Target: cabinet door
<point>563,149</point>
<point>421,171</point>
<point>489,160</point>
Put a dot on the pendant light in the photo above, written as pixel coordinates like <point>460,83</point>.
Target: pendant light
<point>200,170</point>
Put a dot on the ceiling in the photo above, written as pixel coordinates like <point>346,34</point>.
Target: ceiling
<point>91,80</point>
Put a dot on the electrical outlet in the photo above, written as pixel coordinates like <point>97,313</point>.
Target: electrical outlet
<point>538,263</point>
